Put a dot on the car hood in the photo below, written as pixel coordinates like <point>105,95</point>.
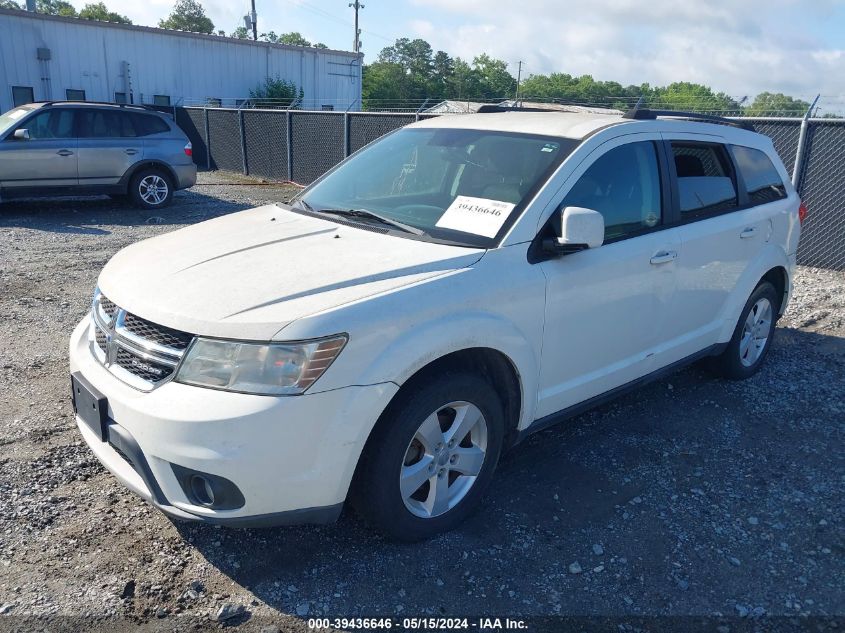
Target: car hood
<point>247,275</point>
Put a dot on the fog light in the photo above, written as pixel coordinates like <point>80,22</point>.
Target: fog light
<point>207,490</point>
<point>202,490</point>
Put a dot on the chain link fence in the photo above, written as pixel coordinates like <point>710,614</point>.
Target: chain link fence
<point>300,146</point>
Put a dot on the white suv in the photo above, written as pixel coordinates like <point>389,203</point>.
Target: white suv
<point>441,294</point>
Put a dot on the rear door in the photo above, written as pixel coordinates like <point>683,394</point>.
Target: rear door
<point>721,234</point>
<point>47,159</point>
<point>108,145</point>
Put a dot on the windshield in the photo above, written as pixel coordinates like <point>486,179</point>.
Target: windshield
<point>12,117</point>
<point>464,186</point>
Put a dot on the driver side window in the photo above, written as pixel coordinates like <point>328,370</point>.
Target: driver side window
<point>54,123</point>
<point>624,186</point>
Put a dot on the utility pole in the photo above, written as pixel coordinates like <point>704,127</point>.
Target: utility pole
<point>518,81</point>
<point>356,46</point>
<point>254,17</point>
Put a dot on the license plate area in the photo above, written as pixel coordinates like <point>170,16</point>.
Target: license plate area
<point>91,407</point>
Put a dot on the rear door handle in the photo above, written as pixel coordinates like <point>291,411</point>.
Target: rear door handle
<point>750,232</point>
<point>664,257</point>
<point>64,152</point>
<point>131,152</point>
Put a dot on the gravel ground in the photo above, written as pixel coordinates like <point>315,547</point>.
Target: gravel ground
<point>690,497</point>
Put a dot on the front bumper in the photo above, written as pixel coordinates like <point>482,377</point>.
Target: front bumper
<point>292,458</point>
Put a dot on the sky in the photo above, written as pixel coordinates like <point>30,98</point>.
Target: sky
<point>741,47</point>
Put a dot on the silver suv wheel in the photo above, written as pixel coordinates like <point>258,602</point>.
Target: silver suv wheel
<point>153,189</point>
<point>755,332</point>
<point>443,459</point>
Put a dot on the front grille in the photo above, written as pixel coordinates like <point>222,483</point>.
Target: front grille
<point>108,307</point>
<point>100,337</point>
<point>145,369</point>
<point>139,352</point>
<point>156,333</point>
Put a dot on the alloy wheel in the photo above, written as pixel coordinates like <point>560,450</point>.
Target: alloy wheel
<point>755,332</point>
<point>444,459</point>
<point>153,189</point>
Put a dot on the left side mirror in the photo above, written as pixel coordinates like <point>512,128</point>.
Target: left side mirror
<point>580,229</point>
<point>22,135</point>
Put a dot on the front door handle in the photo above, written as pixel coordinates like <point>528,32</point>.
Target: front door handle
<point>748,233</point>
<point>663,257</point>
<point>64,152</point>
<point>131,152</point>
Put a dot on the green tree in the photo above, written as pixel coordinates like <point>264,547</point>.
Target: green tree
<point>320,45</point>
<point>99,11</point>
<point>241,33</point>
<point>188,15</point>
<point>776,104</point>
<point>293,39</point>
<point>496,81</point>
<point>276,93</point>
<point>56,7</point>
<point>689,96</point>
<point>10,4</point>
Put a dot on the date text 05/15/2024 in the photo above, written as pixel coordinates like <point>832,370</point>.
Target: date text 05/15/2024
<point>423,624</point>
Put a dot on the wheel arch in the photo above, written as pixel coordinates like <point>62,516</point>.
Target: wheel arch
<point>494,365</point>
<point>149,164</point>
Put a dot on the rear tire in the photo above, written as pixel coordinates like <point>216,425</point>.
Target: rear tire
<point>752,337</point>
<point>431,457</point>
<point>151,189</point>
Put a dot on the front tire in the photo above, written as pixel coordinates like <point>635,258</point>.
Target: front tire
<point>431,457</point>
<point>151,189</point>
<point>752,337</point>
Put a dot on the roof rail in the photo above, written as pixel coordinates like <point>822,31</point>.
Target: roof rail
<point>142,106</point>
<point>491,108</point>
<point>644,114</point>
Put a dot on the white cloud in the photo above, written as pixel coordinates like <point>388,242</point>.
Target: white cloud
<point>739,48</point>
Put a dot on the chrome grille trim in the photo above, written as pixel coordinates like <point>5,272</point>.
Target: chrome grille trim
<point>133,359</point>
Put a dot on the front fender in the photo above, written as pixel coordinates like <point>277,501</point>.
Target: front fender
<point>771,256</point>
<point>407,355</point>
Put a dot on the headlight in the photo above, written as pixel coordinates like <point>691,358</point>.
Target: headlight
<point>274,369</point>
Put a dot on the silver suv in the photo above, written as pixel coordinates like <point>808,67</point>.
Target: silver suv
<point>72,148</point>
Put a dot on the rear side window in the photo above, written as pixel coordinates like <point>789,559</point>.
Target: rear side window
<point>762,180</point>
<point>106,124</point>
<point>146,124</point>
<point>705,179</point>
<point>624,186</point>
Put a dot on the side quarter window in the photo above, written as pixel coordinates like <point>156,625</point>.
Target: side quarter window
<point>706,183</point>
<point>624,186</point>
<point>762,180</point>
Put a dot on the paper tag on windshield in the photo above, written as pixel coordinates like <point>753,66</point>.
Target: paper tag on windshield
<point>476,215</point>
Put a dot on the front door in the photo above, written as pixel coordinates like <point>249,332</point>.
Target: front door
<point>48,158</point>
<point>108,146</point>
<point>605,307</point>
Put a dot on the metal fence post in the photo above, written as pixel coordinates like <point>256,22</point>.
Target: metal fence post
<point>798,171</point>
<point>420,109</point>
<point>346,140</point>
<point>243,141</point>
<point>207,141</point>
<point>290,145</point>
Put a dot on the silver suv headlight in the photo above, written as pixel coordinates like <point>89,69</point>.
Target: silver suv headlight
<point>274,369</point>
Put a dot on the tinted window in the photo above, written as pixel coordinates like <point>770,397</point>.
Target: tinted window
<point>106,124</point>
<point>50,124</point>
<point>21,95</point>
<point>120,97</point>
<point>161,100</point>
<point>624,186</point>
<point>705,179</point>
<point>762,180</point>
<point>75,95</point>
<point>146,124</point>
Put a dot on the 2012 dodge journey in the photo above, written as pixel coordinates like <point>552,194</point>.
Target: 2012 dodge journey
<point>442,293</point>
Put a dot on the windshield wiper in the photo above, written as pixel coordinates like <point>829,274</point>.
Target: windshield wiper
<point>372,215</point>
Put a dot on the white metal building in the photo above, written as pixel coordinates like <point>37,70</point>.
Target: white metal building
<point>54,58</point>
